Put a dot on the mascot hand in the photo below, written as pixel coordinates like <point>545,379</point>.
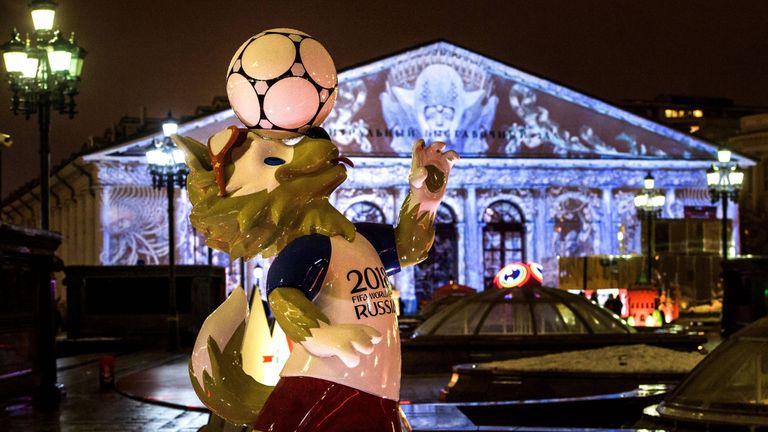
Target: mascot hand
<point>430,167</point>
<point>346,341</point>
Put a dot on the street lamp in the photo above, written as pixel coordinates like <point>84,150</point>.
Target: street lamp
<point>42,73</point>
<point>5,143</point>
<point>166,164</point>
<point>724,180</point>
<point>649,202</point>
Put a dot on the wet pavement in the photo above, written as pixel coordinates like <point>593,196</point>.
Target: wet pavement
<point>161,378</point>
<point>85,407</point>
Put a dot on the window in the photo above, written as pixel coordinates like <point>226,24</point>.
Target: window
<point>503,238</point>
<point>442,265</point>
<point>364,211</point>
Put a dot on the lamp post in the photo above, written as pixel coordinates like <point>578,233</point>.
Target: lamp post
<point>166,164</point>
<point>724,180</point>
<point>649,203</point>
<point>5,143</point>
<point>43,73</point>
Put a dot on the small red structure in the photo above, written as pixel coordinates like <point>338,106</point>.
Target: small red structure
<point>643,306</point>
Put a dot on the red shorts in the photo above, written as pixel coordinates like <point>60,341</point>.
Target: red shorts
<point>304,404</point>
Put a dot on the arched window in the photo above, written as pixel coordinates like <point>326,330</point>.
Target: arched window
<point>364,211</point>
<point>442,264</point>
<point>503,238</point>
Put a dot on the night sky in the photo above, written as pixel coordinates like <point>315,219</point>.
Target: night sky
<point>173,54</point>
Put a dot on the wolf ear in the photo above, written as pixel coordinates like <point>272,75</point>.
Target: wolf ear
<point>195,152</point>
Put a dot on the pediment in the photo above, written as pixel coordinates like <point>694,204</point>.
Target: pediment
<point>479,106</point>
<point>483,108</point>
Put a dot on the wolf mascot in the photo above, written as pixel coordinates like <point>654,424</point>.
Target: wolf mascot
<point>264,191</point>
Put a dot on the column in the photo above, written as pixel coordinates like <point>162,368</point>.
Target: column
<point>473,251</point>
<point>607,227</point>
<point>733,215</point>
<point>540,227</point>
<point>461,252</point>
<point>82,227</point>
<point>669,199</point>
<point>89,257</point>
<point>103,217</point>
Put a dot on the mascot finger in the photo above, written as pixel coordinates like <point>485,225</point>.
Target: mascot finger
<point>417,177</point>
<point>363,347</point>
<point>373,334</point>
<point>451,156</point>
<point>437,146</point>
<point>349,357</point>
<point>319,349</point>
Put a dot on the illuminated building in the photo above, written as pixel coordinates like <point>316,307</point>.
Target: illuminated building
<point>752,140</point>
<point>546,171</point>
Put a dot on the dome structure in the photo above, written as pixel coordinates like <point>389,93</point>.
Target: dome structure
<point>528,311</point>
<point>728,390</point>
<point>509,323</point>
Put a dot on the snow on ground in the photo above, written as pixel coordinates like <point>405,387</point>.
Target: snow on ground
<point>713,307</point>
<point>615,359</point>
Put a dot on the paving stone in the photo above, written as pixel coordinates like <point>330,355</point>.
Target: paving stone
<point>85,408</point>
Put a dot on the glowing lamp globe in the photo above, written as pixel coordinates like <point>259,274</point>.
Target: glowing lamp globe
<point>281,82</point>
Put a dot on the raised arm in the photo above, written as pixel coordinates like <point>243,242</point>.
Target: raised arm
<point>415,231</point>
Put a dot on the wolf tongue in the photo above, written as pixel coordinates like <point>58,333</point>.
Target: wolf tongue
<point>342,159</point>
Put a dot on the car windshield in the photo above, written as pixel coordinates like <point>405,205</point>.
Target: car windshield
<point>736,380</point>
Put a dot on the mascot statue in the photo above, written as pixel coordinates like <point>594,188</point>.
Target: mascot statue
<point>263,190</point>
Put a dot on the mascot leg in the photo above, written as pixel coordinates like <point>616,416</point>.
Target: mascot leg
<point>304,404</point>
<point>218,424</point>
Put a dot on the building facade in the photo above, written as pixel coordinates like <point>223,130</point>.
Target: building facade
<point>752,140</point>
<point>545,172</point>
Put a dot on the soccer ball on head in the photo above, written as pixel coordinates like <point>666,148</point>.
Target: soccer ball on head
<point>282,82</point>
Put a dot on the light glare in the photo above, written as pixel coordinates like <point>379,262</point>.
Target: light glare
<point>14,61</point>
<point>649,183</point>
<point>723,156</point>
<point>59,60</point>
<point>30,67</point>
<point>42,19</point>
<point>170,128</point>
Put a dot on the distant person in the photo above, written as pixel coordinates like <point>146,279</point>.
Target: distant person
<point>617,306</point>
<point>593,297</point>
<point>609,304</point>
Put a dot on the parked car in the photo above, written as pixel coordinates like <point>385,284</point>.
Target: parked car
<point>727,391</point>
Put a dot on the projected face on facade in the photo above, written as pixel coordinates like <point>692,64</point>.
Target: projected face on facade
<point>439,101</point>
<point>439,106</point>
